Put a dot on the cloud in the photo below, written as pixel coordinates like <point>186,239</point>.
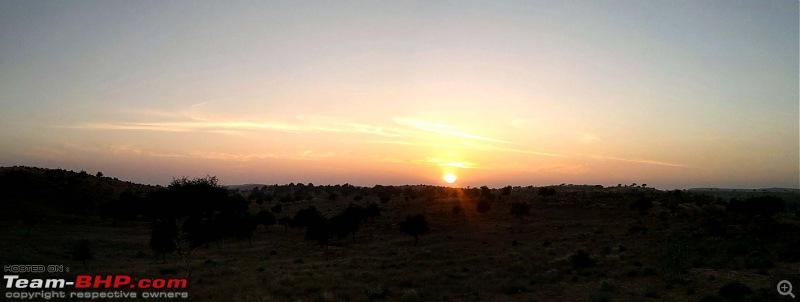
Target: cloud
<point>588,138</point>
<point>463,145</point>
<point>446,163</point>
<point>442,129</point>
<point>641,161</point>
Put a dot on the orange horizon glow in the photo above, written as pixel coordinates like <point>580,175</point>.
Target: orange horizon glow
<point>698,94</point>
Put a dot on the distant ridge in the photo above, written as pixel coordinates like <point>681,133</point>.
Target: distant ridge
<point>70,191</point>
<point>773,190</point>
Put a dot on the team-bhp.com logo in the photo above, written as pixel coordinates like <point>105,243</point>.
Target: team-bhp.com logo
<point>96,282</point>
<point>96,286</point>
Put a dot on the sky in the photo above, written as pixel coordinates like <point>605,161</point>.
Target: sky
<point>673,94</point>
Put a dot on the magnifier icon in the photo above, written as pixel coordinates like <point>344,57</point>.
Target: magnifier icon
<point>785,288</point>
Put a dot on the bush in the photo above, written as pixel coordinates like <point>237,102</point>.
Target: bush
<point>515,289</point>
<point>520,210</point>
<point>415,225</point>
<point>735,291</point>
<point>547,191</point>
<point>763,206</point>
<point>581,259</point>
<point>377,292</point>
<point>676,257</point>
<point>600,297</point>
<point>642,205</point>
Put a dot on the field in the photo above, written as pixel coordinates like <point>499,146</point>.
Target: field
<point>582,243</point>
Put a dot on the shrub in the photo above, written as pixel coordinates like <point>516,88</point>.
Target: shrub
<point>763,206</point>
<point>547,191</point>
<point>581,259</point>
<point>600,297</point>
<point>520,209</point>
<point>377,292</point>
<point>735,291</point>
<point>676,257</point>
<point>415,225</point>
<point>163,238</point>
<point>515,289</point>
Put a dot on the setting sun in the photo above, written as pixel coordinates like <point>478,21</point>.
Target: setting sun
<point>450,178</point>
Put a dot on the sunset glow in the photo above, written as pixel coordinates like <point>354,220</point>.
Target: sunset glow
<point>675,95</point>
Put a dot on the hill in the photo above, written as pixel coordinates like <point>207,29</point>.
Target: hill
<point>31,188</point>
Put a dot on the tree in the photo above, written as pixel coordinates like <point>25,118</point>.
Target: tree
<point>486,193</point>
<point>277,209</point>
<point>319,230</point>
<point>520,209</point>
<point>163,238</point>
<point>484,206</point>
<point>415,225</point>
<point>372,211</point>
<point>761,206</point>
<point>457,209</point>
<point>305,217</point>
<point>547,191</point>
<point>266,219</point>
<point>243,227</point>
<point>384,197</point>
<point>506,191</point>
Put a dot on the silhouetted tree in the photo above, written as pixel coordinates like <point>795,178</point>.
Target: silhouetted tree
<point>304,217</point>
<point>415,225</point>
<point>486,193</point>
<point>277,208</point>
<point>266,219</point>
<point>506,191</point>
<point>163,238</point>
<point>319,230</point>
<point>761,206</point>
<point>197,231</point>
<point>372,211</point>
<point>547,191</point>
<point>520,209</point>
<point>384,197</point>
<point>642,205</point>
<point>333,197</point>
<point>244,227</point>
<point>349,221</point>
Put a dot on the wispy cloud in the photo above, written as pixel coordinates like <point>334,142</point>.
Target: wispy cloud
<point>442,129</point>
<point>641,161</point>
<point>370,129</point>
<point>449,163</point>
<point>588,138</point>
<point>463,145</point>
<point>194,126</point>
